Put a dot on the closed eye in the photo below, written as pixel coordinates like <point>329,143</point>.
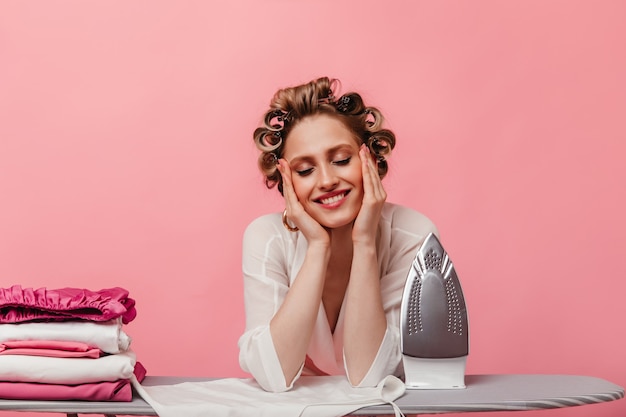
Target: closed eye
<point>304,172</point>
<point>307,171</point>
<point>341,162</point>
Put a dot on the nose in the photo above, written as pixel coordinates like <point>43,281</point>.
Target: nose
<point>328,180</point>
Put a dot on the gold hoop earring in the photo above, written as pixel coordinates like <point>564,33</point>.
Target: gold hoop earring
<point>286,223</point>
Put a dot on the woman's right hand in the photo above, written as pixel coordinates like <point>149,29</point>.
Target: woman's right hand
<point>310,228</point>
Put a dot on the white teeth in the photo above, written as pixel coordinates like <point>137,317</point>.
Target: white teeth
<point>332,199</point>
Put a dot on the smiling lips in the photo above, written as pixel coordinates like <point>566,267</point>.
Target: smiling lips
<point>332,199</point>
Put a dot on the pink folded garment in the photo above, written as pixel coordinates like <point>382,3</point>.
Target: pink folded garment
<point>120,390</point>
<point>22,305</point>
<point>49,348</point>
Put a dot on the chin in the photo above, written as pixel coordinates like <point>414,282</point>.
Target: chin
<point>336,223</point>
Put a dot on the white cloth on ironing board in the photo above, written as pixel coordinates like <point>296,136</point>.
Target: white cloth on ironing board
<point>312,396</point>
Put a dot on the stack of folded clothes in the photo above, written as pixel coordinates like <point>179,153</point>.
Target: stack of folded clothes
<point>66,344</point>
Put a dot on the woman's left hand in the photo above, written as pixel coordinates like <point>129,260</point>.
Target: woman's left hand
<point>374,196</point>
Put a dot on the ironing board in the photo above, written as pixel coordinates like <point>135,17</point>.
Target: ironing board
<point>515,392</point>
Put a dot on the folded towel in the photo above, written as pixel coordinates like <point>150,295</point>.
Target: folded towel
<point>107,336</point>
<point>19,368</point>
<point>312,396</point>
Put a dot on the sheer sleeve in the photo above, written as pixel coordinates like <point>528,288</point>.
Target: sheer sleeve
<point>402,231</point>
<point>266,282</point>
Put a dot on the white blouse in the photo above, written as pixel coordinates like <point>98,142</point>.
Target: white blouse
<point>272,257</point>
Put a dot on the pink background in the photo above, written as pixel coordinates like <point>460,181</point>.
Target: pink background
<point>126,159</point>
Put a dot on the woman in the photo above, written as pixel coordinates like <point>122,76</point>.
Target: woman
<point>323,281</point>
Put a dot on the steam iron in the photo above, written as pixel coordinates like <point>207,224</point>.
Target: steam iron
<point>433,319</point>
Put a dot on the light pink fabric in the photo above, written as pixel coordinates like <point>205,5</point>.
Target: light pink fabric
<point>22,305</point>
<point>50,348</point>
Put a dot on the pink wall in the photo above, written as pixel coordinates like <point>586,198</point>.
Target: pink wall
<point>126,159</point>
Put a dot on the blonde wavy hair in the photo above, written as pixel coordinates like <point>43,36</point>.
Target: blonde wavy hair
<point>291,105</point>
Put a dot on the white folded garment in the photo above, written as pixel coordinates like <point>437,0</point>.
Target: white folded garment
<point>107,336</point>
<point>311,396</point>
<point>24,368</point>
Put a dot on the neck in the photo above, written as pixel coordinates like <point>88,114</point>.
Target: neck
<point>341,237</point>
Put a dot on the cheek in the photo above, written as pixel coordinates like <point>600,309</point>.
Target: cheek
<point>299,187</point>
<point>357,177</point>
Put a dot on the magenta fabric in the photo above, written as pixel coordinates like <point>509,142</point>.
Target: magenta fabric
<point>120,390</point>
<point>50,348</point>
<point>140,371</point>
<point>19,305</point>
